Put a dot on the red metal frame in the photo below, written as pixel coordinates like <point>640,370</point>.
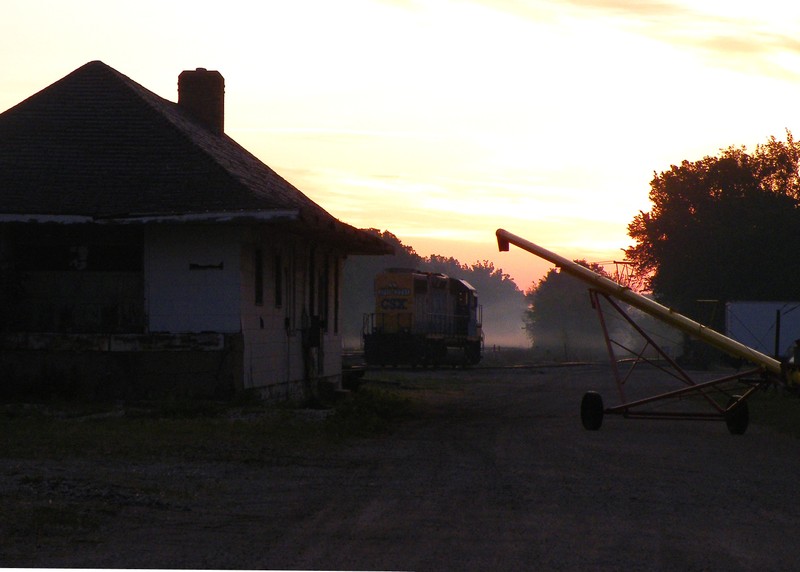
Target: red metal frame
<point>711,391</point>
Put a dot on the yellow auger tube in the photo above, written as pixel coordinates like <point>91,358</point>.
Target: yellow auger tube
<point>608,286</point>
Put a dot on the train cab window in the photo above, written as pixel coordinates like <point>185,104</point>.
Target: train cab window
<point>420,286</point>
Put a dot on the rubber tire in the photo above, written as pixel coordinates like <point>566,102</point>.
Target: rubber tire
<point>737,419</point>
<point>592,411</point>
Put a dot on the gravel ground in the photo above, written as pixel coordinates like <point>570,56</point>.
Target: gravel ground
<point>497,474</point>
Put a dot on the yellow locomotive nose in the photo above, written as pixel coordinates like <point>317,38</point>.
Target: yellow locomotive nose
<point>422,318</point>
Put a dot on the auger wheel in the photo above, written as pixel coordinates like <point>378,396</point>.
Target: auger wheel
<point>738,417</point>
<point>592,411</point>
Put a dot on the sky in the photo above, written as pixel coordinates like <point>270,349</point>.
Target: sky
<point>443,120</point>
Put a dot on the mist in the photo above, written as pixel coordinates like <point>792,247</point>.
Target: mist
<point>590,344</point>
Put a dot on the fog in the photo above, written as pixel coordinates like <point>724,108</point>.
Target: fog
<point>504,328</point>
<point>588,343</point>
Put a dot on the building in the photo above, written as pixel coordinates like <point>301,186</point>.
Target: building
<point>143,252</point>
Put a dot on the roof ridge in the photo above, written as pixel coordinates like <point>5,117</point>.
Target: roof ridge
<point>97,143</point>
<point>201,138</point>
<point>180,121</point>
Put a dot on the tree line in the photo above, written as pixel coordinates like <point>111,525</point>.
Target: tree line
<point>722,228</point>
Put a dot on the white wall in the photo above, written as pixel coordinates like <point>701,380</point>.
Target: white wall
<point>223,299</point>
<point>273,330</point>
<point>184,289</point>
<point>267,343</point>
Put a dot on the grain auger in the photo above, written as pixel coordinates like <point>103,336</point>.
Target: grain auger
<point>726,396</point>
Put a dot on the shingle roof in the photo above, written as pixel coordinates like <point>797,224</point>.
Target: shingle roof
<point>98,144</point>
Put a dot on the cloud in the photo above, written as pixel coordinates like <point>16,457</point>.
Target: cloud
<point>640,9</point>
<point>753,38</point>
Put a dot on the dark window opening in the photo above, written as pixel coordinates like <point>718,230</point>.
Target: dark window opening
<point>336,296</point>
<point>312,291</point>
<point>258,271</point>
<point>42,248</point>
<point>79,278</point>
<point>278,281</point>
<point>323,305</point>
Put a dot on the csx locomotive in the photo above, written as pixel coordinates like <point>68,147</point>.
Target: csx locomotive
<point>422,318</point>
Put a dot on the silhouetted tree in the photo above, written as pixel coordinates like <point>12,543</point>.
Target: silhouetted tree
<point>723,228</point>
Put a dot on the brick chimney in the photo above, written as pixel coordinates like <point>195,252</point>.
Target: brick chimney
<point>202,94</point>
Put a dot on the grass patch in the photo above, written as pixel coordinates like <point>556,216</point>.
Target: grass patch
<point>369,412</point>
<point>58,511</point>
<point>193,430</point>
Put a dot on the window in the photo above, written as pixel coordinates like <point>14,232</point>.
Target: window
<point>324,294</point>
<point>63,248</point>
<point>258,273</point>
<point>312,286</point>
<point>278,281</point>
<point>335,295</point>
<point>289,285</point>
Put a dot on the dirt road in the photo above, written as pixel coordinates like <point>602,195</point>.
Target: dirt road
<point>498,474</point>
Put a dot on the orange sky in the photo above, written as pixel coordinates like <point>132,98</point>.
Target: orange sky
<point>441,120</point>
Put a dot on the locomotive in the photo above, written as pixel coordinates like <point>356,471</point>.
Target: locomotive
<point>423,318</point>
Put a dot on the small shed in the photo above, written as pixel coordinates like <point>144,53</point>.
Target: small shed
<point>143,252</point>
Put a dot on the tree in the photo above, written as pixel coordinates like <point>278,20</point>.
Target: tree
<point>560,321</point>
<point>723,228</point>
